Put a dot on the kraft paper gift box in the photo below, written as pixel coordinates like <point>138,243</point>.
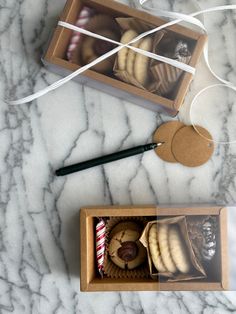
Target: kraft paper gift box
<point>90,280</point>
<point>55,56</point>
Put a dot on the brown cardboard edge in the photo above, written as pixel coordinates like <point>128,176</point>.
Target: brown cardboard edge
<point>58,31</point>
<point>83,252</point>
<point>152,286</point>
<point>147,210</point>
<point>224,249</point>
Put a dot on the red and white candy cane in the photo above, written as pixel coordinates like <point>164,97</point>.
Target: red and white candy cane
<point>83,19</point>
<point>100,244</point>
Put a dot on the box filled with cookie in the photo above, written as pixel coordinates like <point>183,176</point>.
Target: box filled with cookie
<point>154,249</point>
<point>128,74</point>
<point>170,251</point>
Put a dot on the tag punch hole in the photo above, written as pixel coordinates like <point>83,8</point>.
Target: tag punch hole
<point>165,134</point>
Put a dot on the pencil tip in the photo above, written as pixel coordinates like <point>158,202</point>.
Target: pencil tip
<point>58,173</point>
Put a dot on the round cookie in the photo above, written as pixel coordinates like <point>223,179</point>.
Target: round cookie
<point>141,62</point>
<point>123,53</point>
<point>155,250</point>
<point>191,149</point>
<point>123,225</point>
<point>163,236</point>
<point>165,133</point>
<point>125,249</point>
<point>91,48</point>
<point>178,250</point>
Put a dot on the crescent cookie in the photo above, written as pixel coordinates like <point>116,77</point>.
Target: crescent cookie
<point>130,59</point>
<point>178,250</point>
<point>165,249</point>
<point>154,249</point>
<point>141,62</point>
<point>123,53</point>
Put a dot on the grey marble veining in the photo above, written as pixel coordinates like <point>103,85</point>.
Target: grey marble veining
<point>39,231</point>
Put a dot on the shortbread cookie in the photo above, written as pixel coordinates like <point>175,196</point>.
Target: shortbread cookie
<point>155,250</point>
<point>123,53</point>
<point>178,250</point>
<point>163,237</point>
<point>141,62</point>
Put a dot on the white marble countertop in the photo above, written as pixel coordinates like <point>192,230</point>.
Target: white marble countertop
<point>39,250</point>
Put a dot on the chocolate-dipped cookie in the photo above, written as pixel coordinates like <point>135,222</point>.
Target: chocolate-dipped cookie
<point>91,48</point>
<point>125,249</point>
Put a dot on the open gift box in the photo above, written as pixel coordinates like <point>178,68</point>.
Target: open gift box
<point>216,271</point>
<point>55,56</point>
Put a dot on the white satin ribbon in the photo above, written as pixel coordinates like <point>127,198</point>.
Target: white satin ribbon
<point>175,63</point>
<point>183,66</point>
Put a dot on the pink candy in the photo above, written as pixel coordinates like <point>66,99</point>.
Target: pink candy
<point>100,244</point>
<point>83,19</point>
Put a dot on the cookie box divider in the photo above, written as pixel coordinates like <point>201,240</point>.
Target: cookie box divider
<point>90,281</point>
<point>54,57</point>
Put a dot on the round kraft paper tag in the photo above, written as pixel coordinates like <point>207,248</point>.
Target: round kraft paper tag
<point>190,148</point>
<point>165,133</point>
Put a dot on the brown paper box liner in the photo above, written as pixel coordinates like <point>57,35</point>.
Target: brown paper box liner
<point>166,76</point>
<point>198,271</point>
<point>110,269</point>
<point>139,27</point>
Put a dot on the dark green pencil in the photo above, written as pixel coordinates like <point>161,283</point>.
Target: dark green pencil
<point>106,159</point>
